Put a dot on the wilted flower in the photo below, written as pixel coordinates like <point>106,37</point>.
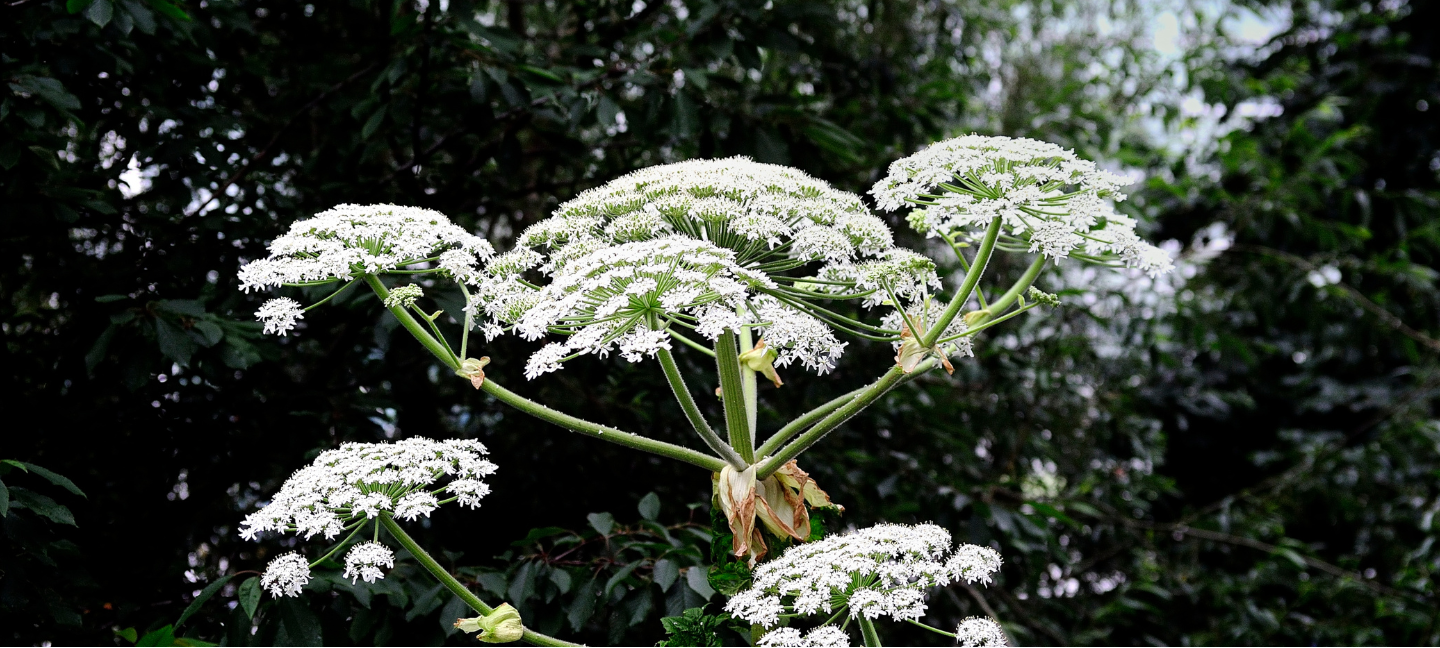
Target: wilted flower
<point>1045,196</point>
<point>880,571</point>
<point>781,502</point>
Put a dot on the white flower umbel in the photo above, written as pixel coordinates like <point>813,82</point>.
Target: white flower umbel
<point>825,635</point>
<point>364,561</point>
<point>280,315</point>
<point>404,296</point>
<point>356,482</point>
<point>882,571</point>
<point>979,631</point>
<point>286,575</point>
<point>351,240</point>
<point>1048,200</point>
<point>625,296</point>
<point>775,230</point>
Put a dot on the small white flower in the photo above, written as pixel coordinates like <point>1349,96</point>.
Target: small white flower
<point>979,631</point>
<point>404,296</point>
<point>359,481</point>
<point>364,560</point>
<point>286,575</point>
<point>1043,194</point>
<point>280,315</point>
<point>347,240</point>
<point>882,571</point>
<point>825,635</point>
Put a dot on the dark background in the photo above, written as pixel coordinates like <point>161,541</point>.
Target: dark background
<point>1243,454</point>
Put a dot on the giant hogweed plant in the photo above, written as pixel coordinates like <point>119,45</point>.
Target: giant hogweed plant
<point>759,268</point>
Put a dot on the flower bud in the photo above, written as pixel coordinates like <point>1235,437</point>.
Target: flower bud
<point>762,360</point>
<point>474,370</point>
<point>501,625</point>
<point>974,316</point>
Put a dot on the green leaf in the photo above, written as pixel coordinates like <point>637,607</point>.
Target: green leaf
<point>606,111</point>
<point>128,634</point>
<point>191,307</point>
<point>47,157</point>
<point>74,7</point>
<point>173,342</point>
<point>249,596</point>
<point>210,333</point>
<point>167,8</point>
<point>695,577</point>
<point>650,507</point>
<point>100,12</point>
<point>9,155</point>
<point>454,609</point>
<point>15,464</point>
<point>619,577</point>
<point>562,580</point>
<point>373,124</point>
<point>200,600</point>
<point>537,535</point>
<point>666,572</point>
<point>603,523</point>
<point>728,578</point>
<point>583,606</point>
<point>543,73</point>
<point>41,505</point>
<point>54,478</point>
<point>105,299</point>
<point>160,637</point>
<point>4,500</point>
<point>298,625</point>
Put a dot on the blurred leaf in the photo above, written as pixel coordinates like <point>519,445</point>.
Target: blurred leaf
<point>603,523</point>
<point>54,478</point>
<point>650,507</point>
<point>200,600</point>
<point>697,579</point>
<point>100,12</point>
<point>666,571</point>
<point>41,505</point>
<point>248,594</point>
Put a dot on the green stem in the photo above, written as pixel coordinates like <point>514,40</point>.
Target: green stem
<point>692,412</point>
<point>531,637</point>
<point>469,319</point>
<point>1021,285</point>
<point>987,323</point>
<point>868,395</point>
<point>430,343</point>
<point>337,547</point>
<point>732,394</point>
<point>603,432</point>
<point>931,628</point>
<point>972,277</point>
<point>867,629</point>
<point>747,383</point>
<point>794,427</point>
<point>332,295</point>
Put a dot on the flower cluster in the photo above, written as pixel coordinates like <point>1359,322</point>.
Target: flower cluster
<point>351,240</point>
<point>880,571</point>
<point>1044,195</point>
<point>280,315</point>
<point>979,631</point>
<point>364,560</point>
<point>787,637</point>
<point>705,245</point>
<point>625,296</point>
<point>359,481</point>
<point>286,575</point>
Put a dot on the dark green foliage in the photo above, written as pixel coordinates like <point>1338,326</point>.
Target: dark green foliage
<point>1248,461</point>
<point>694,628</point>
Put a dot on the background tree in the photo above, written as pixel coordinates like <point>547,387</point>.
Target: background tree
<point>1245,455</point>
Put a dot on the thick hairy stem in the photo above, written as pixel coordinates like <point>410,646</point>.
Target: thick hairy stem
<point>456,587</point>
<point>747,382</point>
<point>1021,285</point>
<point>972,277</point>
<point>794,427</point>
<point>732,393</point>
<point>692,412</point>
<point>603,432</point>
<point>436,347</point>
<point>868,395</point>
<point>544,413</point>
<point>867,630</point>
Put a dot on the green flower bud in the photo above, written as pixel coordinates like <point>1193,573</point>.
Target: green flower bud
<point>502,625</point>
<point>474,370</point>
<point>762,360</point>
